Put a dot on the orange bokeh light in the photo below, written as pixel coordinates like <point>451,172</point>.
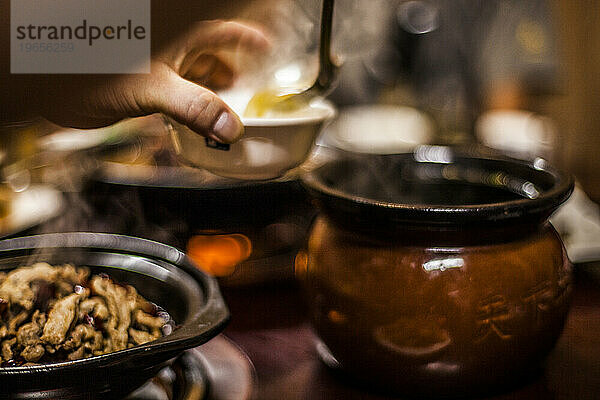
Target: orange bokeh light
<point>218,255</point>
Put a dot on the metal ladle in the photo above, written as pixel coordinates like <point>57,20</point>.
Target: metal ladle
<point>271,100</point>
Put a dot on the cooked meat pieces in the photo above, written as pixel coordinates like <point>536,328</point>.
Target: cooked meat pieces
<point>77,354</point>
<point>29,333</point>
<point>148,320</point>
<point>121,302</point>
<point>16,321</point>
<point>61,317</point>
<point>81,333</point>
<point>33,353</point>
<point>50,313</point>
<point>68,277</point>
<point>94,307</point>
<point>28,336</point>
<point>85,339</point>
<point>16,287</point>
<point>141,337</point>
<point>6,348</point>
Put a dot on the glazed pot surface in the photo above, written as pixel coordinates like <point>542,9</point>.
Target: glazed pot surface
<point>436,278</point>
<point>436,319</point>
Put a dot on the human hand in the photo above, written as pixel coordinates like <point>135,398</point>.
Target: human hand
<point>177,86</point>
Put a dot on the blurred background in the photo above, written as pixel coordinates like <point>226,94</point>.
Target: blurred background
<point>576,108</point>
<point>457,60</point>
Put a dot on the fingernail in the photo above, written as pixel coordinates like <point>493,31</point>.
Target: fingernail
<point>227,128</point>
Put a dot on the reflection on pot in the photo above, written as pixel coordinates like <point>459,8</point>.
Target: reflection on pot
<point>418,336</point>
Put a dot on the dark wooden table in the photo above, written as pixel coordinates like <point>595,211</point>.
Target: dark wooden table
<point>270,325</point>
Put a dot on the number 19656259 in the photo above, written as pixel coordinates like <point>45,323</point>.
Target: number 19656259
<point>36,47</point>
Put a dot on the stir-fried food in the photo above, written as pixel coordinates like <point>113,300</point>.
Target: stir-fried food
<point>57,313</point>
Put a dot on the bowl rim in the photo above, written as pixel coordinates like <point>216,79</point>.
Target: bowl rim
<point>200,327</point>
<point>336,201</point>
<point>327,112</point>
<point>326,108</point>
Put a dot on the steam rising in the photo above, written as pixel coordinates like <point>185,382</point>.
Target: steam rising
<point>294,27</point>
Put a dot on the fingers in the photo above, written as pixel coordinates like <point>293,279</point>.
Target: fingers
<point>192,105</point>
<point>102,101</point>
<point>210,71</point>
<point>222,77</point>
<point>212,36</point>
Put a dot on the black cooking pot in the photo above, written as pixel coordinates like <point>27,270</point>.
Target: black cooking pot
<point>160,273</point>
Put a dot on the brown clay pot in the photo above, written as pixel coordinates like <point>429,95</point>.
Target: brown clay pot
<point>462,292</point>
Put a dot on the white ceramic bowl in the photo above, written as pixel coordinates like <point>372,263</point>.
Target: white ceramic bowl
<point>268,149</point>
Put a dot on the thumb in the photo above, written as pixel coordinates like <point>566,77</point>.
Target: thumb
<point>194,106</point>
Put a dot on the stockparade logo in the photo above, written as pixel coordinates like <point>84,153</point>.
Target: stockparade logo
<point>80,36</point>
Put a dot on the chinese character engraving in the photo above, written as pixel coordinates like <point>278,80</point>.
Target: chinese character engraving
<point>565,287</point>
<point>539,298</point>
<point>492,312</point>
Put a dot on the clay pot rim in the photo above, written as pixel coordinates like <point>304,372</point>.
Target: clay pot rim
<point>339,203</point>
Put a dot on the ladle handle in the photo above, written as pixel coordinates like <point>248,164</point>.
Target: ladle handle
<point>326,65</point>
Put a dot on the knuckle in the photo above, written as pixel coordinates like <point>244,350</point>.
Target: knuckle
<point>198,111</point>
